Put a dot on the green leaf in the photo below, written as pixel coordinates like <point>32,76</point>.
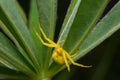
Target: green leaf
<point>14,24</point>
<point>88,14</point>
<point>47,10</point>
<point>7,31</point>
<point>47,15</point>
<point>69,19</point>
<point>33,22</point>
<point>5,63</point>
<point>11,55</point>
<point>108,56</point>
<point>6,73</point>
<point>21,12</point>
<point>105,28</point>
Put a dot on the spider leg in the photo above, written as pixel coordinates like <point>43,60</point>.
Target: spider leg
<point>74,63</point>
<point>44,35</point>
<point>44,43</point>
<point>66,62</point>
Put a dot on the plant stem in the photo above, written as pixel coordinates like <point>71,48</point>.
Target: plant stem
<point>41,77</point>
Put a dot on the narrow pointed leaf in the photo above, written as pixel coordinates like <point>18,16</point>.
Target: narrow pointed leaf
<point>69,19</point>
<point>9,53</point>
<point>47,15</point>
<point>47,10</point>
<point>105,28</point>
<point>22,12</point>
<point>6,73</point>
<point>5,63</point>
<point>13,38</point>
<point>88,13</point>
<point>108,56</point>
<point>33,22</point>
<point>11,17</point>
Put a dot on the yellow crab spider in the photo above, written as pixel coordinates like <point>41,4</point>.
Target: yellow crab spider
<point>59,55</point>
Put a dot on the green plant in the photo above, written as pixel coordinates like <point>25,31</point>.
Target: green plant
<point>22,56</point>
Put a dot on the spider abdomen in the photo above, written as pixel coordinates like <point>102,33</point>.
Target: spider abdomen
<point>58,57</point>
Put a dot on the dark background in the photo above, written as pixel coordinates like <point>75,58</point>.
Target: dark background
<point>94,57</point>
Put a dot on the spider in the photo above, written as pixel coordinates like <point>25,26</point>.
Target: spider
<point>59,55</point>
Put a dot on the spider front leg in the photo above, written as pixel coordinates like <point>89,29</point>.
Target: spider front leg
<point>50,42</point>
<point>44,43</point>
<point>44,35</point>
